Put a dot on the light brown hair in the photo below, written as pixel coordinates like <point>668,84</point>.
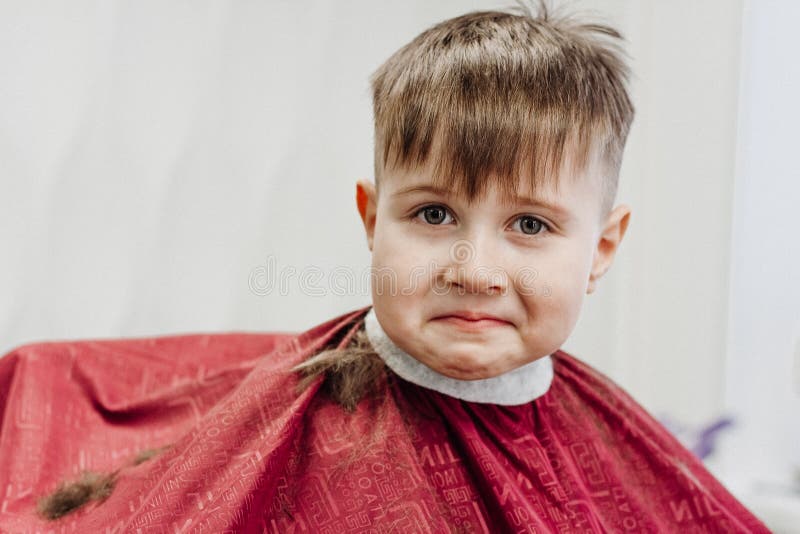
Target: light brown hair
<point>351,372</point>
<point>492,95</point>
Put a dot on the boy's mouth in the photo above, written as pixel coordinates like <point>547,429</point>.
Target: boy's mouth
<point>469,320</point>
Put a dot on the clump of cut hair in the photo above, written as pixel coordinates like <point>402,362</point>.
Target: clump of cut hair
<point>69,496</point>
<point>90,487</point>
<point>350,373</point>
<point>148,454</point>
<point>490,96</point>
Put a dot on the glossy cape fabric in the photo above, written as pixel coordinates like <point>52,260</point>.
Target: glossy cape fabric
<point>248,453</point>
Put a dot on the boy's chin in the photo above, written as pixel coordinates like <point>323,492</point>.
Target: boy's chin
<point>474,366</point>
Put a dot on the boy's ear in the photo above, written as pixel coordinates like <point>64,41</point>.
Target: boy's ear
<point>366,200</point>
<point>608,243</point>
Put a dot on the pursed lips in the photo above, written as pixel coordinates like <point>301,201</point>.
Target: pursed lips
<point>472,320</point>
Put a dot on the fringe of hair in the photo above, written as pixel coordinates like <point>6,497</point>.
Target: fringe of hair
<point>351,373</point>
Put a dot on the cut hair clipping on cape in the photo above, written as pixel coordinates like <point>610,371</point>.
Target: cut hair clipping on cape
<point>350,373</point>
<point>91,486</point>
<point>69,496</point>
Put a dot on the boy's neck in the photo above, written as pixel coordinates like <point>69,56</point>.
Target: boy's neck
<point>518,386</point>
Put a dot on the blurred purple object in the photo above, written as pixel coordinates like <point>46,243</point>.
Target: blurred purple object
<point>701,440</point>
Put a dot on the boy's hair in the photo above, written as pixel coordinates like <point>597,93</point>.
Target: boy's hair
<point>492,95</point>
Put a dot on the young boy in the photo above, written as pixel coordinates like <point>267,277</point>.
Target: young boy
<point>445,406</point>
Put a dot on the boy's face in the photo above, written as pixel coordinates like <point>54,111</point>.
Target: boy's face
<point>437,259</point>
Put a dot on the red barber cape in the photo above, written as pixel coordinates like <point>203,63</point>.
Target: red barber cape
<point>247,453</point>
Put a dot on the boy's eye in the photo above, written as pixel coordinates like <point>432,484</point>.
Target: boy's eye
<point>530,225</point>
<point>437,215</point>
<point>434,214</point>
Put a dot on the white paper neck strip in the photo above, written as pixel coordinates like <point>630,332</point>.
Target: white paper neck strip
<point>518,386</point>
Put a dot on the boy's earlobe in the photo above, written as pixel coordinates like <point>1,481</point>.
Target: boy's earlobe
<point>608,243</point>
<point>366,202</point>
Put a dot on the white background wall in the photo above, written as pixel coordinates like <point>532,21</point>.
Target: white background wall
<point>153,155</point>
<point>762,454</point>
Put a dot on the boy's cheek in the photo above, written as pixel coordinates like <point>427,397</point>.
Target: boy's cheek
<point>399,276</point>
<point>412,261</point>
<point>556,289</point>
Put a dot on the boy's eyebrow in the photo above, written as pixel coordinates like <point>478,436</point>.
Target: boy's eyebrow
<point>519,199</point>
<point>420,188</point>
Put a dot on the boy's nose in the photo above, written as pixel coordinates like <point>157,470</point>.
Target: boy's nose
<point>473,268</point>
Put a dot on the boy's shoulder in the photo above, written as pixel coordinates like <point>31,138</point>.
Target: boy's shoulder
<point>578,386</point>
<point>605,406</point>
<point>571,369</point>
